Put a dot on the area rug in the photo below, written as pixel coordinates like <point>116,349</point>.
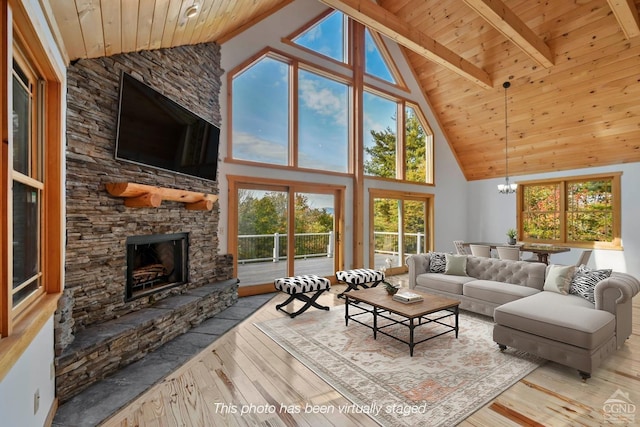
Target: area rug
<point>445,381</point>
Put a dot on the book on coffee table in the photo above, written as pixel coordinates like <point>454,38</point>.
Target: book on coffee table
<point>407,297</point>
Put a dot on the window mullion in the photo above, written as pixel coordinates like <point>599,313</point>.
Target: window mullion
<point>19,177</point>
<point>293,113</point>
<point>563,212</point>
<point>401,142</point>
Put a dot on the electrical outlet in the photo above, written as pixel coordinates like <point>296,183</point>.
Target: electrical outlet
<point>52,371</point>
<point>36,401</point>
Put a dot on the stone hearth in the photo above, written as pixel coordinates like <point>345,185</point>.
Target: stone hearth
<point>102,349</point>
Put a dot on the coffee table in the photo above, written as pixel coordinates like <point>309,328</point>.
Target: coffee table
<point>380,304</point>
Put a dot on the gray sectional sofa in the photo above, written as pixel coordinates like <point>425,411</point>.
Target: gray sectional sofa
<point>532,315</point>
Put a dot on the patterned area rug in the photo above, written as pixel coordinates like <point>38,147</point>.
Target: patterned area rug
<point>445,381</point>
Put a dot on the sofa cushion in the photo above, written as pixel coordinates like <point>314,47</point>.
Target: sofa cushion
<point>443,282</point>
<point>496,292</point>
<point>564,318</point>
<point>585,280</point>
<point>559,278</point>
<point>456,265</point>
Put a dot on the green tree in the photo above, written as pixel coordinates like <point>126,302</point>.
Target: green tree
<point>262,215</point>
<point>416,148</point>
<point>265,213</point>
<point>382,154</point>
<point>588,213</point>
<point>311,220</point>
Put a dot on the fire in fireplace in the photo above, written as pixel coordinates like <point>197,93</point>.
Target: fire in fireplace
<point>156,262</point>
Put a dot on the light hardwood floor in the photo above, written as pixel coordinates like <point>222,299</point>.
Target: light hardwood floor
<point>245,367</point>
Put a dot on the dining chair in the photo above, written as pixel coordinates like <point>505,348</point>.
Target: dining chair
<point>480,250</point>
<point>506,252</point>
<point>460,249</point>
<point>584,257</point>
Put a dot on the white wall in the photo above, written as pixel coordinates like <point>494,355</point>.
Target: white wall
<point>450,189</point>
<point>31,373</point>
<point>490,214</point>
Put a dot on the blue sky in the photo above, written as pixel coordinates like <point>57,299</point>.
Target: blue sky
<point>261,105</point>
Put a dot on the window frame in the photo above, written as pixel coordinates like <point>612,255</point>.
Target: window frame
<point>403,196</point>
<point>614,244</point>
<point>295,131</point>
<point>34,176</point>
<point>19,329</point>
<point>238,182</point>
<point>429,159</point>
<point>401,135</point>
<point>347,50</point>
<point>295,64</point>
<point>399,132</point>
<point>389,62</point>
<point>238,71</point>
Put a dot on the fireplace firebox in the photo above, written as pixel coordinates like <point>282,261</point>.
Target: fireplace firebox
<point>156,262</point>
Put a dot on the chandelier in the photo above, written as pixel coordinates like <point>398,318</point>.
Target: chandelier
<point>506,188</point>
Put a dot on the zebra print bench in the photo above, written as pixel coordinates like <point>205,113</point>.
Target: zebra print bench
<point>365,277</point>
<point>297,287</point>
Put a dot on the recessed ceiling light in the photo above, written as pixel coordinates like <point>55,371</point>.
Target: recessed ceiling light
<point>191,11</point>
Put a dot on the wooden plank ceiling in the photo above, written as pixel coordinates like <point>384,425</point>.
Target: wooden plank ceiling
<point>574,66</point>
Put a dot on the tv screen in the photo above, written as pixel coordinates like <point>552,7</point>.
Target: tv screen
<point>153,130</point>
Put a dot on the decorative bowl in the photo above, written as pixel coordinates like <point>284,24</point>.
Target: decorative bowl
<point>391,290</point>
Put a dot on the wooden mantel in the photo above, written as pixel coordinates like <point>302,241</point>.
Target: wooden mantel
<point>148,196</point>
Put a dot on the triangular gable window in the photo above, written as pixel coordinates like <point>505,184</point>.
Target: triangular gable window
<point>375,62</point>
<point>327,37</point>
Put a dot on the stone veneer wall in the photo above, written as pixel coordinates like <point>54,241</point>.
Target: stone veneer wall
<point>97,223</point>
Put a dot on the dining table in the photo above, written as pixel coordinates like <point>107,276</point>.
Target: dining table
<point>542,251</point>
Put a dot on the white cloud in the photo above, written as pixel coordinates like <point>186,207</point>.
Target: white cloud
<point>314,33</point>
<point>323,101</point>
<point>248,146</point>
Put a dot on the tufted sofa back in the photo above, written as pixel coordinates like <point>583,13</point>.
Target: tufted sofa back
<point>523,273</point>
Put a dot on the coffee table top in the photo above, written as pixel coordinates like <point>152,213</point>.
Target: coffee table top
<point>379,297</point>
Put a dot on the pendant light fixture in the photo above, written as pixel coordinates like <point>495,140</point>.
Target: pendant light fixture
<point>506,188</point>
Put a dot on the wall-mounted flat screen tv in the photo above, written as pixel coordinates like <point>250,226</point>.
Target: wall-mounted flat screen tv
<point>153,130</point>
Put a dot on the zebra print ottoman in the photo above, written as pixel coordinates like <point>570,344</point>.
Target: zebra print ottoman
<point>297,286</point>
<point>359,277</point>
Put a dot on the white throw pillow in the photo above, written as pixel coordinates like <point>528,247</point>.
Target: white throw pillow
<point>559,278</point>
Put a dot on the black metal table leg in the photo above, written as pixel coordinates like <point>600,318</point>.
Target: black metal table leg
<point>375,322</point>
<point>411,344</point>
<point>457,311</point>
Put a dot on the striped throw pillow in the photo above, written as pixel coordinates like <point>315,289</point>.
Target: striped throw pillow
<point>437,262</point>
<point>585,280</point>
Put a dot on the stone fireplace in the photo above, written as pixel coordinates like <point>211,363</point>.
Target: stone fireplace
<point>105,320</point>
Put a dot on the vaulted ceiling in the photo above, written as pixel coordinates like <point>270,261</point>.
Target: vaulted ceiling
<point>573,65</point>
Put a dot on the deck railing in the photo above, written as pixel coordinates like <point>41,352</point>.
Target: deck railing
<point>273,247</point>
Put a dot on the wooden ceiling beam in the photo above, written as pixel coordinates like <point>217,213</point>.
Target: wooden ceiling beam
<point>627,15</point>
<point>496,13</point>
<point>389,25</point>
